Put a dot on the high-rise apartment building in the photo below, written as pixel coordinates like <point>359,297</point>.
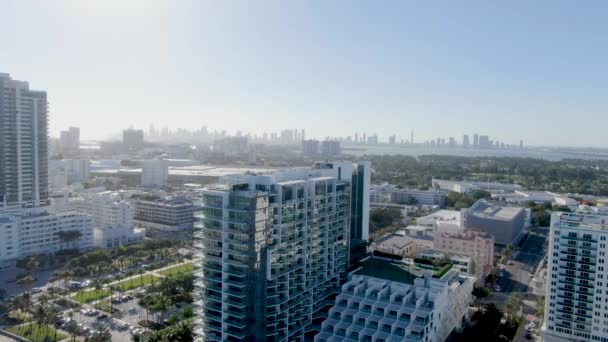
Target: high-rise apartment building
<point>274,249</point>
<point>133,139</point>
<point>465,140</point>
<point>310,147</point>
<point>484,141</point>
<point>576,304</point>
<point>330,147</point>
<point>26,224</point>
<point>23,144</point>
<point>476,140</point>
<point>69,141</point>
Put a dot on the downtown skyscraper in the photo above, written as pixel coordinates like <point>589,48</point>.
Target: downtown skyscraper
<point>274,251</point>
<point>23,144</point>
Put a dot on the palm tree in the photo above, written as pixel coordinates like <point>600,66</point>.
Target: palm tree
<point>72,328</point>
<point>22,303</point>
<point>39,316</point>
<point>113,289</point>
<point>98,286</point>
<point>52,315</point>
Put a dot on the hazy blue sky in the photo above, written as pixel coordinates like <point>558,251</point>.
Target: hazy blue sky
<point>536,70</point>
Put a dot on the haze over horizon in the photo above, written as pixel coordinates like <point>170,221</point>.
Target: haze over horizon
<point>517,70</point>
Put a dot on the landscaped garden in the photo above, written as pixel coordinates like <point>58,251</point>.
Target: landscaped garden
<point>37,333</point>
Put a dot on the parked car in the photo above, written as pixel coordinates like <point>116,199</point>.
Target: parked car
<point>122,326</point>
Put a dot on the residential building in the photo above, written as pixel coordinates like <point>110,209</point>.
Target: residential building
<point>78,170</point>
<point>233,146</point>
<point>310,147</point>
<point>485,142</point>
<point>112,218</point>
<point>58,176</point>
<point>505,223</point>
<point>23,144</point>
<point>69,141</point>
<point>9,240</point>
<point>27,231</point>
<point>133,139</point>
<point>165,214</point>
<point>155,173</point>
<point>330,148</point>
<point>576,306</point>
<point>479,246</point>
<point>360,177</point>
<point>394,305</point>
<point>274,248</point>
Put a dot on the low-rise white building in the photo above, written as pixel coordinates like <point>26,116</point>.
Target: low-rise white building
<point>9,240</point>
<point>447,221</point>
<point>112,218</point>
<point>27,231</point>
<point>464,187</point>
<point>524,196</point>
<point>375,308</point>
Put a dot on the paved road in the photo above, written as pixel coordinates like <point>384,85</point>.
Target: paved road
<point>519,272</point>
<point>530,275</point>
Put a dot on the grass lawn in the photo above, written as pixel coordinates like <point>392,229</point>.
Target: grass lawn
<point>136,282</point>
<point>178,269</point>
<point>90,295</point>
<point>37,333</point>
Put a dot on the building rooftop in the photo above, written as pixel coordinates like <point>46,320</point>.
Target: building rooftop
<point>581,220</point>
<point>387,270</point>
<point>394,240</point>
<point>491,210</point>
<point>444,215</point>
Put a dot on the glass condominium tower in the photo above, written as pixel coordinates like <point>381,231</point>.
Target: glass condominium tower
<point>274,251</point>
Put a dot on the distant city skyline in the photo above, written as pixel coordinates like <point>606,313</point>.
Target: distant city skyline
<point>512,71</point>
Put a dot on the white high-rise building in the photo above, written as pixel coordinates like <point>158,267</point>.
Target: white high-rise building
<point>26,225</point>
<point>77,170</point>
<point>69,141</point>
<point>154,173</point>
<point>23,144</point>
<point>576,304</point>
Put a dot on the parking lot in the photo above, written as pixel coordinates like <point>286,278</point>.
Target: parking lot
<point>88,323</point>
